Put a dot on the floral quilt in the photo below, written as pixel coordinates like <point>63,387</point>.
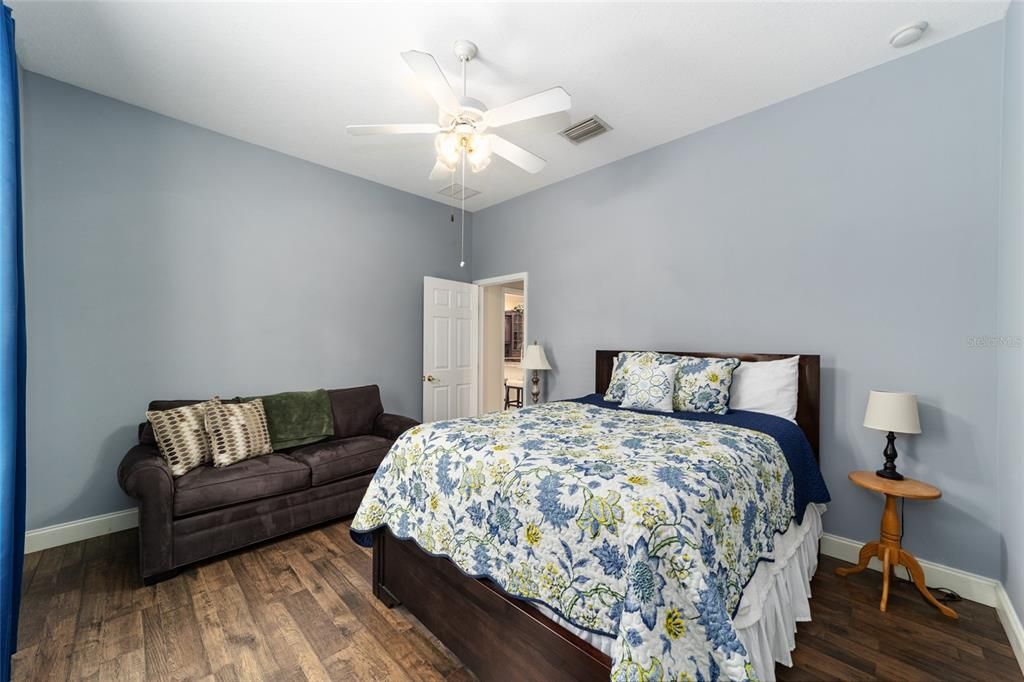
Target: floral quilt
<point>640,527</point>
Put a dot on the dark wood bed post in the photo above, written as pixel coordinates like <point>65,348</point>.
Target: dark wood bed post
<point>380,591</point>
<point>501,638</point>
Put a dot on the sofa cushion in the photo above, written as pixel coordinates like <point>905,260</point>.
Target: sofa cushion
<point>335,459</point>
<point>210,487</point>
<point>355,410</point>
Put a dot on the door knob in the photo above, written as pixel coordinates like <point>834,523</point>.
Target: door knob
<point>429,377</point>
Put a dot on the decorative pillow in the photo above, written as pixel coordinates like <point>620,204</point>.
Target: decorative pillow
<point>629,362</point>
<point>181,436</point>
<point>702,384</point>
<point>237,432</point>
<point>771,387</point>
<point>650,387</point>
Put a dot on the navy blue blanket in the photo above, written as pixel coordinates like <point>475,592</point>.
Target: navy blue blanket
<point>808,484</point>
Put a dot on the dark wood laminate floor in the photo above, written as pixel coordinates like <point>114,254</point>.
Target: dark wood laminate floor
<point>301,608</point>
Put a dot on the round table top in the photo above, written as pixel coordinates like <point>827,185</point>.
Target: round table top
<point>908,487</point>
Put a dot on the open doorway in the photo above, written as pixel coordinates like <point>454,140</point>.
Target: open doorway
<point>503,313</point>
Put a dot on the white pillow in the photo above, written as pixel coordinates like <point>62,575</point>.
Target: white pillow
<point>770,387</point>
<point>650,386</point>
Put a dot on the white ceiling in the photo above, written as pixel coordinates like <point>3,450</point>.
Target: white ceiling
<point>291,76</point>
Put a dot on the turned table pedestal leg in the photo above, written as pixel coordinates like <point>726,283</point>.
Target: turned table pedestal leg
<point>892,554</point>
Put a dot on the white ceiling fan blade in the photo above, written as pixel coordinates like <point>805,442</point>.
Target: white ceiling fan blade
<point>432,78</point>
<point>440,172</point>
<point>394,129</point>
<point>543,103</point>
<point>528,161</point>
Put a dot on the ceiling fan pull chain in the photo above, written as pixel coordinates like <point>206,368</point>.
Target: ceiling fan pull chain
<point>462,194</point>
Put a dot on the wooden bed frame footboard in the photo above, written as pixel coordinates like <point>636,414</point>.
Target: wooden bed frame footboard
<point>499,638</point>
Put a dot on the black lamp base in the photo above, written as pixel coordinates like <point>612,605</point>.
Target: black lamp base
<point>889,469</point>
<point>891,475</point>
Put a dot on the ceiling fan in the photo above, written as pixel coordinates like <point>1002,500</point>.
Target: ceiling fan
<point>463,121</point>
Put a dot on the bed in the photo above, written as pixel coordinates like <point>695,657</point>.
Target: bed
<point>516,550</point>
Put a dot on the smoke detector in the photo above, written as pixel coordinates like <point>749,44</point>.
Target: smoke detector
<point>908,34</point>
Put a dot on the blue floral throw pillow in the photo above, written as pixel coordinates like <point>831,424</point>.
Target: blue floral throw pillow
<point>650,386</point>
<point>702,384</point>
<point>628,363</point>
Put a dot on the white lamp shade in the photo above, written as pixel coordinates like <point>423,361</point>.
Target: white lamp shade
<point>534,357</point>
<point>895,412</point>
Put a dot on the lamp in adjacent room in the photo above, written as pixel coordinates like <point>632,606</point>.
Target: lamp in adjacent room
<point>535,359</point>
<point>895,413</point>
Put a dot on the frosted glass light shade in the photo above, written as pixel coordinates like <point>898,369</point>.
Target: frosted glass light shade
<point>895,412</point>
<point>534,357</point>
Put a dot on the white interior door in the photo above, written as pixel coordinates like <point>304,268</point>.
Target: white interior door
<point>450,356</point>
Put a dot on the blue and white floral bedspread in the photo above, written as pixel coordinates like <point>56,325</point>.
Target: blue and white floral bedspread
<point>637,526</point>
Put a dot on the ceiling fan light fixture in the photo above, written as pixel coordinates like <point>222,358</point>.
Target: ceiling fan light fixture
<point>451,145</point>
<point>449,149</point>
<point>480,164</point>
<point>478,152</point>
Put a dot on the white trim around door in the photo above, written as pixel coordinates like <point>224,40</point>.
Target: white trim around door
<point>523,277</point>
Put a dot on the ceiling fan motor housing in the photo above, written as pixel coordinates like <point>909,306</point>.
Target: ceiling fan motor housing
<point>471,113</point>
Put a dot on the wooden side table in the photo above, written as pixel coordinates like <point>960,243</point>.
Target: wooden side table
<point>888,547</point>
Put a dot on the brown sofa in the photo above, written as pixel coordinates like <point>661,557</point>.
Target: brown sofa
<point>209,510</point>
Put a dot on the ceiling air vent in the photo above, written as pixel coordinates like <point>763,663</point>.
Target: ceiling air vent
<point>455,192</point>
<point>585,129</point>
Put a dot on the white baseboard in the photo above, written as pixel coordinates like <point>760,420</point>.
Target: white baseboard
<point>1011,623</point>
<point>971,586</point>
<point>968,585</point>
<point>82,529</point>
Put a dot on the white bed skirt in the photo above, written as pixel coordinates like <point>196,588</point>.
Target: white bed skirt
<point>774,601</point>
<point>778,596</point>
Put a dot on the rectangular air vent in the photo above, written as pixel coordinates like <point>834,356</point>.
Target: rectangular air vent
<point>455,192</point>
<point>585,129</point>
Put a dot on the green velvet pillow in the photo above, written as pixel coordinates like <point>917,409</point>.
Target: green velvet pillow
<point>297,417</point>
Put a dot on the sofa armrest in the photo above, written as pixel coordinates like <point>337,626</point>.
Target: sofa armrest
<point>143,471</point>
<point>144,475</point>
<point>391,426</point>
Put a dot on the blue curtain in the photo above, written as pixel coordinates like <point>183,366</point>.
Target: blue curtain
<point>12,353</point>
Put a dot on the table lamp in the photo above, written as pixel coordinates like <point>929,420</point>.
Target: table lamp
<point>535,359</point>
<point>895,413</point>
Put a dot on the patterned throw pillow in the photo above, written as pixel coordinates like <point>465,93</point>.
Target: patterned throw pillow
<point>237,432</point>
<point>629,362</point>
<point>181,436</point>
<point>650,387</point>
<point>702,384</point>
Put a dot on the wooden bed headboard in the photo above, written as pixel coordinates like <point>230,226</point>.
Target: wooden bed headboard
<point>808,408</point>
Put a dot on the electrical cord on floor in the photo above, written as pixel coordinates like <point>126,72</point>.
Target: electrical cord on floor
<point>944,593</point>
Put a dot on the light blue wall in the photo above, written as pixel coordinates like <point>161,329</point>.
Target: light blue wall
<point>857,221</point>
<point>1010,398</point>
<point>167,261</point>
